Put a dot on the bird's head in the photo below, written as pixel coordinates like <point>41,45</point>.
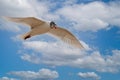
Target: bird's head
<point>52,25</point>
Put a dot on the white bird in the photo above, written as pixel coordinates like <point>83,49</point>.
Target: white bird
<point>40,27</point>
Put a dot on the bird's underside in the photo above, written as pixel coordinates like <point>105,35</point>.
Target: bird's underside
<point>40,27</point>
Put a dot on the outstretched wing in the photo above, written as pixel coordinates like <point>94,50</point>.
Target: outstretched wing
<point>30,21</point>
<point>66,37</point>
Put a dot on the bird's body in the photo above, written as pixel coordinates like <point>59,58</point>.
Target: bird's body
<point>40,27</point>
<point>43,28</point>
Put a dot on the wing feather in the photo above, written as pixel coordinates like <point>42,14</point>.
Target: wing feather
<point>30,21</point>
<point>66,37</point>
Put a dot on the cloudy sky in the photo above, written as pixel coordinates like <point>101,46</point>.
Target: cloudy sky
<point>96,23</point>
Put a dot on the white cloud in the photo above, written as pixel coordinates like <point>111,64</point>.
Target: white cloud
<point>57,54</point>
<point>6,78</point>
<point>89,75</point>
<point>51,53</point>
<point>42,74</point>
<point>92,16</point>
<point>26,8</point>
<point>16,8</point>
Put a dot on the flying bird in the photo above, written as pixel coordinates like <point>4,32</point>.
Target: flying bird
<point>40,27</point>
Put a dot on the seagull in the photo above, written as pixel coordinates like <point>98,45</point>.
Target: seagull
<point>41,27</point>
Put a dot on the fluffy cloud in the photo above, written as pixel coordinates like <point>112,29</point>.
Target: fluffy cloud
<point>92,16</point>
<point>16,8</point>
<point>26,8</point>
<point>42,74</point>
<point>89,75</point>
<point>6,78</point>
<point>51,54</point>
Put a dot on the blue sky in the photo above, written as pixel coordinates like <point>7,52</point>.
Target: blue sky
<point>96,23</point>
